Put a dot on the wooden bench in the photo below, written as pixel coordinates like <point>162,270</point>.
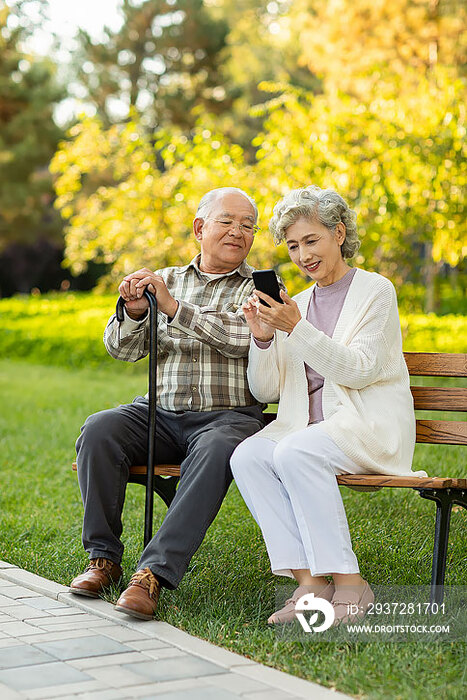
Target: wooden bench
<point>445,491</point>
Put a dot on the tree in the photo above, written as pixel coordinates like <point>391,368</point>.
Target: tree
<point>163,62</point>
<point>28,135</point>
<point>395,150</point>
<point>178,62</point>
<point>142,215</point>
<point>404,173</point>
<point>260,46</point>
<point>364,48</point>
<point>355,46</point>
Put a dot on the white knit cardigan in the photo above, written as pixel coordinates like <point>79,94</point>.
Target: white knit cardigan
<point>367,405</point>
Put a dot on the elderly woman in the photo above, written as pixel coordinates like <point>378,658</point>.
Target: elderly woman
<point>333,358</point>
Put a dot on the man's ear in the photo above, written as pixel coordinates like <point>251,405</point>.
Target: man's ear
<point>198,228</point>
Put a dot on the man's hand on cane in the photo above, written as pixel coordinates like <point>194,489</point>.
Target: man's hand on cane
<point>132,288</point>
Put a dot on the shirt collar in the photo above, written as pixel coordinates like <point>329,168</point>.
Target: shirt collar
<point>243,269</point>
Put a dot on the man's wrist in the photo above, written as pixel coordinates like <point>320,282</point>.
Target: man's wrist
<point>135,315</point>
<point>172,309</point>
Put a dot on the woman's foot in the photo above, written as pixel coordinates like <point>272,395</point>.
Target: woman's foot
<point>287,613</point>
<point>351,603</point>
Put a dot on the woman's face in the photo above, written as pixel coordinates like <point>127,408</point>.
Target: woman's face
<point>316,250</point>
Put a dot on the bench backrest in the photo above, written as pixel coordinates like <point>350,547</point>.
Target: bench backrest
<point>428,398</point>
<point>435,398</point>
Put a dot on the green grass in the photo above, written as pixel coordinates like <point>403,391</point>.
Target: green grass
<point>228,591</point>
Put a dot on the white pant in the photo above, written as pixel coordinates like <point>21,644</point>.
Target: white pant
<point>291,490</point>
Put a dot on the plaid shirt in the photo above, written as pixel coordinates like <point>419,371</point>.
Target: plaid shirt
<point>203,350</point>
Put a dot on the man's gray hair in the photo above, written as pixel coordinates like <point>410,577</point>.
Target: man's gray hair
<point>207,201</point>
<point>314,203</point>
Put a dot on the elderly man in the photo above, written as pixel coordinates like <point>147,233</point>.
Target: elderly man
<point>205,408</point>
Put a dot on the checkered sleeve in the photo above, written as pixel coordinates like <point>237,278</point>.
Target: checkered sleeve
<point>226,330</point>
<point>127,341</point>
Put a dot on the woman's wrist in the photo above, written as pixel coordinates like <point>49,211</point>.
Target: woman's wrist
<point>292,326</point>
<point>262,339</point>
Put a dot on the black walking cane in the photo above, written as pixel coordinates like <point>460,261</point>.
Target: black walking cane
<point>148,510</point>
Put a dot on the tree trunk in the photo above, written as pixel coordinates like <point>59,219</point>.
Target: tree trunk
<point>431,270</point>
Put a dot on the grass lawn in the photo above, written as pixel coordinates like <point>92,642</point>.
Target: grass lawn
<point>229,591</point>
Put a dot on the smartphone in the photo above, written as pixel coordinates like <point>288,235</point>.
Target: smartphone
<point>266,281</point>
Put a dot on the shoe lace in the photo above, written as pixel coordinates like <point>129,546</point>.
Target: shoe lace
<point>146,578</point>
<point>100,563</point>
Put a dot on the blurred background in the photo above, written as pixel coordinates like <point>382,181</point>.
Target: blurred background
<point>117,115</point>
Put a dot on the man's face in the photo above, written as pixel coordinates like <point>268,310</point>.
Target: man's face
<point>226,234</point>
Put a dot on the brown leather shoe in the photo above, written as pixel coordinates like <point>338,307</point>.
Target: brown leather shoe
<point>141,596</point>
<point>99,574</point>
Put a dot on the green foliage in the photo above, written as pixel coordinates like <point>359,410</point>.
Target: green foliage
<point>383,124</point>
<point>142,215</point>
<point>67,329</point>
<point>431,333</point>
<point>404,175</point>
<point>259,47</point>
<point>451,296</point>
<point>163,61</point>
<point>64,330</point>
<point>28,135</point>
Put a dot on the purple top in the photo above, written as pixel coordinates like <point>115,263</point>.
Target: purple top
<point>323,312</point>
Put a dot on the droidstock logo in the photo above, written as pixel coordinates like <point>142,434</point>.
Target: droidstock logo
<point>306,604</point>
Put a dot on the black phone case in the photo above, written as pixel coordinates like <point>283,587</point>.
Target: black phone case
<point>266,281</point>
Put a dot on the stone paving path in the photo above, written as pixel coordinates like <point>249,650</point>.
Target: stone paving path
<point>57,645</point>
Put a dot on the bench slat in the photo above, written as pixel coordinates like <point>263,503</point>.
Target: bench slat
<point>437,398</point>
<point>159,469</point>
<point>440,482</point>
<point>400,481</point>
<point>436,364</point>
<point>442,432</point>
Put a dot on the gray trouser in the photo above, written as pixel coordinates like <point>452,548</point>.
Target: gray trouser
<point>201,442</point>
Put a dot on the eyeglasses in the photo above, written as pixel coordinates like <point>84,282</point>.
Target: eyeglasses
<point>227,224</point>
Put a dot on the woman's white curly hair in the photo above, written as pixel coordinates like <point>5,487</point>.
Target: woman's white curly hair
<point>314,203</point>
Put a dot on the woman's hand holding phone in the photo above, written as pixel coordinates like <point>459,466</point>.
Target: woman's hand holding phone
<point>283,317</point>
<point>259,329</point>
<point>264,320</point>
<point>269,308</point>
